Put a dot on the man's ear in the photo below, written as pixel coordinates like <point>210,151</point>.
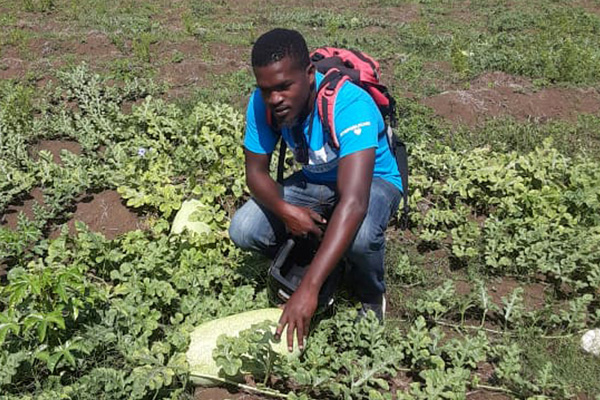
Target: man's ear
<point>310,71</point>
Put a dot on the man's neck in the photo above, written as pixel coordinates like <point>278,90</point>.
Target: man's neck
<point>308,106</point>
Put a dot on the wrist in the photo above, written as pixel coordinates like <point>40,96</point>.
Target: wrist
<point>310,286</point>
<point>283,209</point>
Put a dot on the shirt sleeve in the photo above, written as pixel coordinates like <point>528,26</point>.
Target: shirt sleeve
<point>259,137</point>
<point>357,127</point>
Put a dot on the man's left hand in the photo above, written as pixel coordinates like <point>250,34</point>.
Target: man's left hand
<point>297,314</point>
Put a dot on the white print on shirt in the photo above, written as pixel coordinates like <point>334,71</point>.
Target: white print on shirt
<point>321,156</point>
<point>322,160</point>
<point>357,129</point>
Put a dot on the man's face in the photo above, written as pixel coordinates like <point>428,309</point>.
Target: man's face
<point>285,89</point>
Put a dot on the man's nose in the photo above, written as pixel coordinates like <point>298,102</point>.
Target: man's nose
<point>275,98</point>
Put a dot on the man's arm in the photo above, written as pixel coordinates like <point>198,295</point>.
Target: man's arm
<point>355,173</point>
<point>298,220</point>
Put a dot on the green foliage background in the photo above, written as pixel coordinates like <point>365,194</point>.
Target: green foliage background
<point>84,317</point>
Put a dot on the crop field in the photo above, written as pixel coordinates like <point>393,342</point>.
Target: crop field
<point>112,113</point>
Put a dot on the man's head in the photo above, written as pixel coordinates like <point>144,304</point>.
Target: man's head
<point>284,74</point>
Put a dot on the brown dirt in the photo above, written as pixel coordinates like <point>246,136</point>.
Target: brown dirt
<point>193,71</point>
<point>404,14</point>
<point>104,213</point>
<point>497,95</point>
<point>229,58</point>
<point>172,17</point>
<point>25,205</point>
<point>486,395</point>
<point>485,371</point>
<point>55,147</point>
<point>12,66</point>
<point>44,54</point>
<point>436,261</point>
<point>43,48</point>
<point>95,46</point>
<point>462,288</point>
<point>591,6</point>
<point>202,393</point>
<point>401,382</point>
<point>190,71</point>
<point>533,293</point>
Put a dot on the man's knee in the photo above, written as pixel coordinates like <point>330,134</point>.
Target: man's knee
<point>252,229</point>
<point>368,239</point>
<point>240,230</point>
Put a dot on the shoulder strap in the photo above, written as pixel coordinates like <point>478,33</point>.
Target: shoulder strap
<point>282,147</point>
<point>281,160</point>
<point>398,147</point>
<point>326,96</point>
<point>402,161</point>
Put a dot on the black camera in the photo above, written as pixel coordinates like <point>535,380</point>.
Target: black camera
<point>288,269</point>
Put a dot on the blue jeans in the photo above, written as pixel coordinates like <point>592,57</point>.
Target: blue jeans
<point>253,227</point>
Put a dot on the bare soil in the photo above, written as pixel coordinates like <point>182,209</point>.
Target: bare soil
<point>490,95</point>
<point>401,382</point>
<point>199,62</point>
<point>105,213</point>
<point>95,45</point>
<point>534,294</point>
<point>12,66</point>
<point>44,47</point>
<point>24,205</point>
<point>501,95</point>
<point>55,147</point>
<point>486,395</point>
<point>222,394</point>
<point>592,6</point>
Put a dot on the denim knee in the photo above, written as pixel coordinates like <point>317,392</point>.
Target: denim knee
<point>254,228</point>
<point>239,230</point>
<point>369,239</point>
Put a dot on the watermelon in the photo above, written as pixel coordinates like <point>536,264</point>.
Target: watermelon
<point>204,370</point>
<point>182,219</point>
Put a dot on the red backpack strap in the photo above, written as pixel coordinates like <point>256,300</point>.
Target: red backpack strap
<point>326,96</point>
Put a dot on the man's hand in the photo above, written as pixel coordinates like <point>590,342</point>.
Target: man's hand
<point>301,221</point>
<point>297,313</point>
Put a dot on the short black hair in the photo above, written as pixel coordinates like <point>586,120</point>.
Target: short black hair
<point>277,44</point>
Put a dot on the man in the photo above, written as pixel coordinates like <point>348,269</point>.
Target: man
<point>357,187</point>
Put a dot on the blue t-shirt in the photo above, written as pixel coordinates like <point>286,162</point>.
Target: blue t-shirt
<point>359,126</point>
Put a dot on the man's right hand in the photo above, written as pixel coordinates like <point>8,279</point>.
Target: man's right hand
<point>300,221</point>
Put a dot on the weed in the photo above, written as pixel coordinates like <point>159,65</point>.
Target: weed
<point>177,57</point>
<point>507,134</point>
<point>192,27</point>
<point>460,56</point>
<point>141,46</point>
<point>38,5</point>
<point>494,200</point>
<point>567,361</point>
<point>18,38</point>
<point>200,8</point>
<point>330,20</point>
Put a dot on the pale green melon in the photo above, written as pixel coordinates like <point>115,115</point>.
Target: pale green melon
<point>182,219</point>
<point>204,340</point>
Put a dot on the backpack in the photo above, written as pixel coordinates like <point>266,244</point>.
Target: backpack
<point>341,65</point>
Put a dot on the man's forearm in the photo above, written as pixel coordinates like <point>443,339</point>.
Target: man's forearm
<point>267,192</point>
<point>263,188</point>
<point>354,182</point>
<point>341,229</point>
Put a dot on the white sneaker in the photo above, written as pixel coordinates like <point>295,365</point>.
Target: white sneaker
<point>377,308</point>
